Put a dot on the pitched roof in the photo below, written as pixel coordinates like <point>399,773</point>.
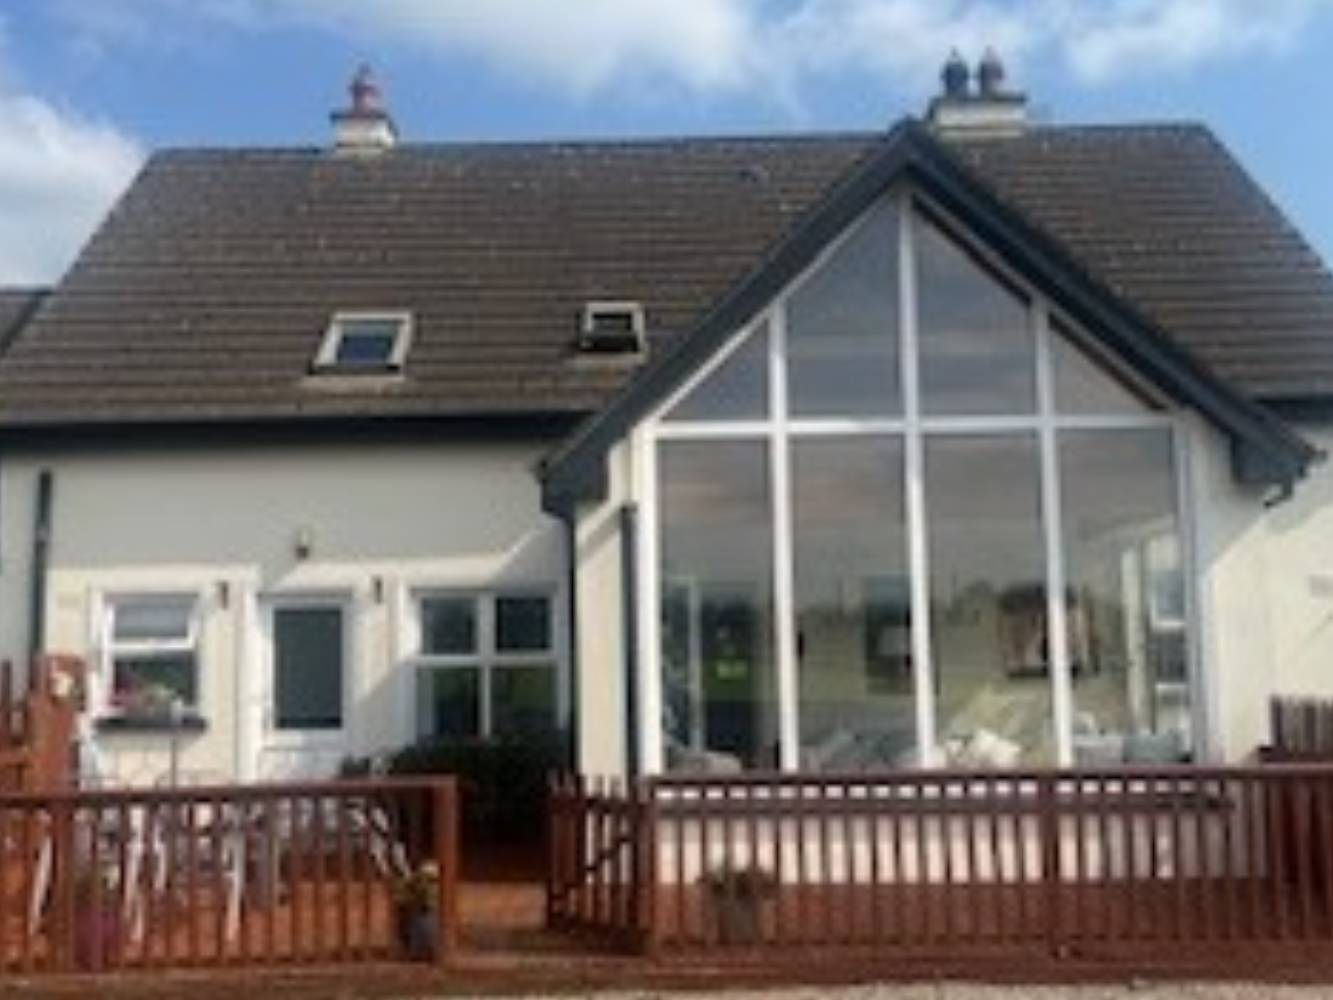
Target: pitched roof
<point>208,289</point>
<point>206,292</point>
<point>1169,221</point>
<point>1264,449</point>
<point>17,304</point>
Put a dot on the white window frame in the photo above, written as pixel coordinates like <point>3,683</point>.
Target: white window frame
<point>276,734</point>
<point>614,307</point>
<point>111,649</point>
<point>326,360</point>
<point>777,428</point>
<point>486,657</point>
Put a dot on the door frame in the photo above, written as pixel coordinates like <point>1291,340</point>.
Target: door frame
<point>271,738</point>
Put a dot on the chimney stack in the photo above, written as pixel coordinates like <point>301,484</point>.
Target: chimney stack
<point>364,127</point>
<point>989,112</point>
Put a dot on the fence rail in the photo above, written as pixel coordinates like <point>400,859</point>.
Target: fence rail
<point>1302,729</point>
<point>311,873</point>
<point>1172,862</point>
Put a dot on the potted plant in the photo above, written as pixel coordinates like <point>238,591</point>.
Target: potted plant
<point>737,896</point>
<point>97,920</point>
<point>414,907</point>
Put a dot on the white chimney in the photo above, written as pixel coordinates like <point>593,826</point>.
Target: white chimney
<point>989,112</point>
<point>365,126</point>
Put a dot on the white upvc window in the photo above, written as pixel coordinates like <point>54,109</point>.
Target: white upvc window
<point>365,342</point>
<point>486,663</point>
<point>151,655</point>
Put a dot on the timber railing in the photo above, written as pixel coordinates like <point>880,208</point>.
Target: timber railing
<point>1170,863</point>
<point>340,871</point>
<point>37,726</point>
<point>1302,729</point>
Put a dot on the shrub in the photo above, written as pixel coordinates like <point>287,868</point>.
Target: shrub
<point>502,781</point>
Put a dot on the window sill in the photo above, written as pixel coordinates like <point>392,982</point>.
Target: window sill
<point>151,724</point>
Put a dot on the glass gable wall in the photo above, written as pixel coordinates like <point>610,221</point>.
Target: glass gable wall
<point>908,517</point>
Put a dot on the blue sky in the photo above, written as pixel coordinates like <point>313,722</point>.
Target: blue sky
<point>89,87</point>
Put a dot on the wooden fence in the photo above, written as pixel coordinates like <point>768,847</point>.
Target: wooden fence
<point>346,871</point>
<point>37,725</point>
<point>1170,863</point>
<point>1302,729</point>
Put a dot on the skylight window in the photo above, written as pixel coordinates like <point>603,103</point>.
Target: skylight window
<point>365,342</point>
<point>612,328</point>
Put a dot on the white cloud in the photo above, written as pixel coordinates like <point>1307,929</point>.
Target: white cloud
<point>584,46</point>
<point>59,173</point>
<point>747,46</point>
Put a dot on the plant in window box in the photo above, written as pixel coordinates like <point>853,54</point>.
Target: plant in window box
<point>415,895</point>
<point>147,701</point>
<point>737,896</point>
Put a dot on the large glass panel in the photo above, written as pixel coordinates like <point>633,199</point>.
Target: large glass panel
<point>736,390</point>
<point>522,700</point>
<point>842,326</point>
<point>308,667</point>
<point>977,350</point>
<point>853,608</point>
<point>449,625</point>
<point>1123,561</point>
<point>449,702</point>
<point>522,624</point>
<point>1084,386</point>
<point>718,680</point>
<point>988,600</point>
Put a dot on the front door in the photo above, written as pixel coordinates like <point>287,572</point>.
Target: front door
<point>305,715</point>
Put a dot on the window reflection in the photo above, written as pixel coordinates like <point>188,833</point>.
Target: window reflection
<point>718,681</point>
<point>977,350</point>
<point>842,326</point>
<point>988,600</point>
<point>1123,559</point>
<point>854,642</point>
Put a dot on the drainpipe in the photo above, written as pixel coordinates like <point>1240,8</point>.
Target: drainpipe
<point>41,553</point>
<point>629,587</point>
<point>572,630</point>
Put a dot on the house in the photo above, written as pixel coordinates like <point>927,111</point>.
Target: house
<point>969,441</point>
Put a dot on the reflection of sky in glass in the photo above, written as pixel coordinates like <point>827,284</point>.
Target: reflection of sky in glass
<point>842,326</point>
<point>976,344</point>
<point>736,390</point>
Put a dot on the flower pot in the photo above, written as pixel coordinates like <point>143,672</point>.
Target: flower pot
<point>739,917</point>
<point>417,930</point>
<point>97,938</point>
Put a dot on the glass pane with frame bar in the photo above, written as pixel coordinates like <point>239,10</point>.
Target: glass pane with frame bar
<point>449,625</point>
<point>523,624</point>
<point>449,702</point>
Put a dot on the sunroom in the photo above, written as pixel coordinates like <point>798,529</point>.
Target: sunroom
<point>920,490</point>
<point>909,515</point>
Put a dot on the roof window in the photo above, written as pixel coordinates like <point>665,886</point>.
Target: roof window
<point>612,329</point>
<point>365,342</point>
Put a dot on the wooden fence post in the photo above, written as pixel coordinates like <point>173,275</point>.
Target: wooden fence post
<point>646,861</point>
<point>446,829</point>
<point>1048,838</point>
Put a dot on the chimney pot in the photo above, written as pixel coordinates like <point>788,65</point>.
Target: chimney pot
<point>365,126</point>
<point>990,74</point>
<point>988,113</point>
<point>955,76</point>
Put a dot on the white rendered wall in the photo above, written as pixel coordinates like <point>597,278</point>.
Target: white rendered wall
<point>601,638</point>
<point>383,519</point>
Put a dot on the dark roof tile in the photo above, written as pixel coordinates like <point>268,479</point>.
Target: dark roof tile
<point>207,290</point>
